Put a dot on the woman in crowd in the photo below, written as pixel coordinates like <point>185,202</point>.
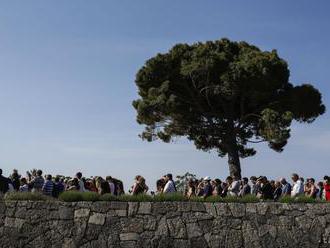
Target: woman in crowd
<point>327,188</point>
<point>139,186</point>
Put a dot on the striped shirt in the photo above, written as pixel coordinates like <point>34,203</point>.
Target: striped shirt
<point>47,189</point>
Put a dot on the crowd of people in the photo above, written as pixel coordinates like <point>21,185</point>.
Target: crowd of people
<point>261,187</point>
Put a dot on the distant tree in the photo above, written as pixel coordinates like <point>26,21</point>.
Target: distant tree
<point>222,95</point>
<point>182,181</point>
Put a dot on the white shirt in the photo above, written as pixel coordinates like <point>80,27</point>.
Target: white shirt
<point>112,187</point>
<point>297,189</point>
<point>169,187</point>
<point>81,186</point>
<point>233,188</point>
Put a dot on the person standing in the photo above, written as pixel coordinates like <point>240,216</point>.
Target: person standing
<point>286,187</point>
<point>37,182</point>
<point>245,188</point>
<point>327,188</point>
<point>233,186</point>
<point>48,186</point>
<point>170,185</point>
<point>298,186</point>
<point>278,191</point>
<point>207,189</point>
<point>3,183</point>
<point>81,182</point>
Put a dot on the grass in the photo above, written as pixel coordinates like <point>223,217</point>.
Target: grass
<point>300,199</point>
<point>26,196</point>
<point>75,196</point>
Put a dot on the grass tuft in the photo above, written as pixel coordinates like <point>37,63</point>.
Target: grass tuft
<point>71,196</point>
<point>26,196</point>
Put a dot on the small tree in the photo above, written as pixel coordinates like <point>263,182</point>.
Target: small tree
<point>222,95</point>
<point>182,181</point>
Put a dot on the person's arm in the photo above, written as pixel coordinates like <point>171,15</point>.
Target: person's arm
<point>165,190</point>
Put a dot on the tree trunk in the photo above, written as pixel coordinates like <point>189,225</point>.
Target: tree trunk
<point>233,159</point>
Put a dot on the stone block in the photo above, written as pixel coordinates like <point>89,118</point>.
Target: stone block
<point>237,209</point>
<point>97,219</point>
<point>144,208</point>
<point>193,230</point>
<point>14,222</point>
<point>118,205</point>
<point>133,208</point>
<point>65,213</point>
<point>81,213</point>
<point>197,207</point>
<point>129,236</point>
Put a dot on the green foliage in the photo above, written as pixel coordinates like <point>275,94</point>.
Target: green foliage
<point>71,196</point>
<point>169,197</point>
<point>222,95</point>
<point>181,181</point>
<point>26,196</point>
<point>108,197</point>
<point>90,196</point>
<point>300,199</point>
<point>135,198</point>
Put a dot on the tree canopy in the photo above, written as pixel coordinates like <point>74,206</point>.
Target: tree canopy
<point>222,95</point>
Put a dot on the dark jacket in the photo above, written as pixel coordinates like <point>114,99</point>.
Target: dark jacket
<point>3,184</point>
<point>266,191</point>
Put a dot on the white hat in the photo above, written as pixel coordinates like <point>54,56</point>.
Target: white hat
<point>207,178</point>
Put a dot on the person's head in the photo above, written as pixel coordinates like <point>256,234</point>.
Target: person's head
<point>191,183</point>
<point>141,180</point>
<point>207,179</point>
<point>39,173</point>
<point>108,178</point>
<point>245,180</point>
<point>229,179</point>
<point>283,181</point>
<point>57,179</point>
<point>137,178</point>
<point>253,179</point>
<point>325,179</point>
<point>295,177</point>
<point>302,179</point>
<point>79,175</point>
<point>217,181</point>
<point>320,185</point>
<point>312,180</point>
<point>23,181</point>
<point>277,184</point>
<point>169,176</point>
<point>49,177</point>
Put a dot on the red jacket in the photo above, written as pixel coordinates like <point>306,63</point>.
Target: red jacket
<point>327,191</point>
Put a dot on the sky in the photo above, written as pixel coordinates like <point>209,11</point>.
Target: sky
<point>67,71</point>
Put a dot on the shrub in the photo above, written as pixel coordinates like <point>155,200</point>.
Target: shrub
<point>26,196</point>
<point>90,196</point>
<point>300,199</point>
<point>170,197</point>
<point>71,196</point>
<point>108,197</point>
<point>135,198</point>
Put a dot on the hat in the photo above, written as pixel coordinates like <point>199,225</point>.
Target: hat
<point>207,178</point>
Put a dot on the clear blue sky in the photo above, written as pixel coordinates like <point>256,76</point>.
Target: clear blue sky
<point>67,72</point>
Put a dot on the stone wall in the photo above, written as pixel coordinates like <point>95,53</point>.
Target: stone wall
<point>169,224</point>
